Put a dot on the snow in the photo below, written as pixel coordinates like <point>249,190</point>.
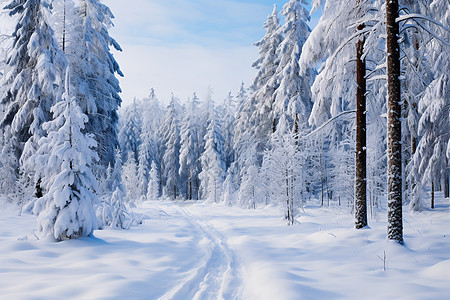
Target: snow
<point>199,250</point>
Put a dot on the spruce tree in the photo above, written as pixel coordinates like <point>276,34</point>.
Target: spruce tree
<point>33,78</point>
<point>64,160</point>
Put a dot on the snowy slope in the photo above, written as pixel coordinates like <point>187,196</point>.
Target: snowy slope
<point>205,251</point>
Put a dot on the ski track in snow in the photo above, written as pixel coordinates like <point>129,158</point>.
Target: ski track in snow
<point>216,276</point>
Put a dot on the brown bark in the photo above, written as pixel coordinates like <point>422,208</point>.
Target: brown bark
<point>394,147</point>
<point>432,194</point>
<point>361,151</point>
<point>446,184</point>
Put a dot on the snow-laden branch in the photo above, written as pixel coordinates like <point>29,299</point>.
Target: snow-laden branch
<point>415,18</point>
<point>328,122</point>
<point>419,16</point>
<point>378,77</point>
<point>355,35</point>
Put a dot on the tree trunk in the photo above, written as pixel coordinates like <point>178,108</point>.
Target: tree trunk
<point>321,180</point>
<point>361,151</point>
<point>64,29</point>
<point>394,147</point>
<point>446,184</point>
<point>432,194</point>
<point>190,185</point>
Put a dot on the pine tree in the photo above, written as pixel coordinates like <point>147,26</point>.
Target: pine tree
<point>189,150</point>
<point>148,149</point>
<point>116,178</point>
<point>293,95</point>
<point>130,179</point>
<point>256,112</point>
<point>282,165</point>
<point>8,164</point>
<point>64,161</point>
<point>153,183</point>
<point>395,223</point>
<point>171,150</point>
<point>130,132</point>
<point>98,87</point>
<point>212,160</point>
<point>33,78</point>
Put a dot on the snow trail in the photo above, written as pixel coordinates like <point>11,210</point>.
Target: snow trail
<point>217,275</point>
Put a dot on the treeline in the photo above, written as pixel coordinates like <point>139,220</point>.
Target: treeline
<point>354,113</point>
<point>292,136</point>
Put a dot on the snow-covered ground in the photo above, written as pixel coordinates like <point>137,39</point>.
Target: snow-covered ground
<point>188,250</point>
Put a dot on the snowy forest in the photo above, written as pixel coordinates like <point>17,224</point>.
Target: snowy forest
<point>351,116</point>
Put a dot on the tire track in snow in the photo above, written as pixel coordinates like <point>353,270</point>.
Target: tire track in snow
<point>217,274</point>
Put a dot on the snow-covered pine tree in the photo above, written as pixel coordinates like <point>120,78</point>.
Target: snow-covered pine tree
<point>212,160</point>
<point>148,150</point>
<point>265,83</point>
<point>430,162</point>
<point>8,165</point>
<point>98,69</point>
<point>189,150</point>
<point>65,23</point>
<point>34,76</point>
<point>153,183</point>
<point>116,179</point>
<point>64,161</point>
<point>130,131</point>
<point>293,95</point>
<point>130,179</point>
<point>170,161</point>
<point>255,114</point>
<point>228,128</point>
<point>283,165</point>
<point>250,183</point>
<point>430,159</point>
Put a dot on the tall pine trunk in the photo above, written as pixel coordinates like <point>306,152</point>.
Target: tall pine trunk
<point>432,194</point>
<point>446,183</point>
<point>361,150</point>
<point>394,147</point>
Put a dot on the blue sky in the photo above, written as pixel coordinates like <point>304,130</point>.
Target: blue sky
<point>182,46</point>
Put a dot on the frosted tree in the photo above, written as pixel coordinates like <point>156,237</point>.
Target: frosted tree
<point>255,113</point>
<point>130,132</point>
<point>189,150</point>
<point>293,95</point>
<point>33,78</point>
<point>230,109</point>
<point>283,165</point>
<point>153,183</point>
<point>130,179</point>
<point>149,147</point>
<point>212,160</point>
<point>66,26</point>
<point>430,158</point>
<point>116,178</point>
<point>171,150</point>
<point>98,87</point>
<point>266,82</point>
<point>430,161</point>
<point>248,195</point>
<point>64,161</point>
<point>8,165</point>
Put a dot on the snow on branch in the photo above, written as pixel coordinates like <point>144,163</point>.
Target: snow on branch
<point>328,122</point>
<point>419,16</point>
<point>415,17</point>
